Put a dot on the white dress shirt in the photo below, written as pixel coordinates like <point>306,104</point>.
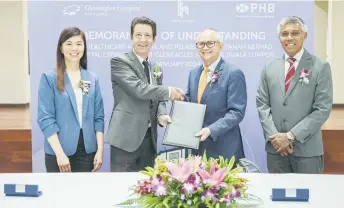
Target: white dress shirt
<point>74,78</point>
<point>212,68</point>
<point>141,61</point>
<point>296,63</point>
<point>78,96</point>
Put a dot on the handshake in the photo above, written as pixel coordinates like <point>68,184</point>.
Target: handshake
<point>176,94</point>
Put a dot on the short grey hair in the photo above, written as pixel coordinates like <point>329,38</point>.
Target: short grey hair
<point>217,33</point>
<point>291,19</point>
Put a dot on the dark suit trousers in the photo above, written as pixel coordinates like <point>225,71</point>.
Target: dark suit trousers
<point>80,161</point>
<point>123,161</point>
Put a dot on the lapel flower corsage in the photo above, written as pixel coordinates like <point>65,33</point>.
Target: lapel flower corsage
<point>157,72</point>
<point>303,78</point>
<point>214,77</point>
<point>84,86</point>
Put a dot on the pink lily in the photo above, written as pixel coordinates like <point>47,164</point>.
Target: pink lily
<point>214,178</point>
<point>183,170</point>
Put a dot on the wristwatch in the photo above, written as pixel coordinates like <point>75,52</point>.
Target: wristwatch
<point>290,138</point>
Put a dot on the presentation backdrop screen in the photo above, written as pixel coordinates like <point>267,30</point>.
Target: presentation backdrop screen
<point>248,31</point>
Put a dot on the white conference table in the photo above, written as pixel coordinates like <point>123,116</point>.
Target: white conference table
<point>104,190</point>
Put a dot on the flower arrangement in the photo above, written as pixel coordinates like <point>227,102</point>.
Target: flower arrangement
<point>303,78</point>
<point>84,86</point>
<point>192,182</point>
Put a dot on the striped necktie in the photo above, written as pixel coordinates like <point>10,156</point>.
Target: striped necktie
<point>290,73</point>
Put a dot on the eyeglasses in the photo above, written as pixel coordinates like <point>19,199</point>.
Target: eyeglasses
<point>209,44</point>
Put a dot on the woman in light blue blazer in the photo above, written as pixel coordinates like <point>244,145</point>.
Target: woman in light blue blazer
<point>70,109</point>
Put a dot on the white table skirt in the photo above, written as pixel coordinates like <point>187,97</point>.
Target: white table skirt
<point>104,190</point>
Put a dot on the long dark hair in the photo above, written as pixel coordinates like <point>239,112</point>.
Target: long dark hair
<point>60,60</point>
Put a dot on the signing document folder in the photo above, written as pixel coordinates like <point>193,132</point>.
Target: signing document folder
<point>186,121</point>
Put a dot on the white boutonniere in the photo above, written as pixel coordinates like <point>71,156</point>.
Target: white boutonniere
<point>157,72</point>
<point>303,78</point>
<point>84,86</point>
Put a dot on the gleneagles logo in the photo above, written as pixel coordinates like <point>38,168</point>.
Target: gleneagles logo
<point>71,10</point>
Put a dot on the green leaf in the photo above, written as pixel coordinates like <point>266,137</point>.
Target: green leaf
<point>150,169</point>
<point>236,170</point>
<point>205,157</point>
<point>129,202</point>
<point>231,163</point>
<point>223,205</point>
<point>146,173</point>
<point>165,202</point>
<point>195,200</point>
<point>149,201</point>
<point>208,204</point>
<point>222,162</point>
<point>217,205</point>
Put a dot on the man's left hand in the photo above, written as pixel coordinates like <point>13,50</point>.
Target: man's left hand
<point>164,120</point>
<point>279,141</point>
<point>204,134</point>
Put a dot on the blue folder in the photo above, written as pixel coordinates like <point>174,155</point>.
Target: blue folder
<point>25,190</point>
<point>298,195</point>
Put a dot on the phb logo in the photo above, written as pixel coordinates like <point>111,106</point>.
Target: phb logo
<point>242,8</point>
<point>182,9</point>
<point>71,10</point>
<point>257,8</point>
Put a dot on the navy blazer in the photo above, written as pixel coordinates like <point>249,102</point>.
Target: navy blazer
<point>225,101</point>
<point>58,113</point>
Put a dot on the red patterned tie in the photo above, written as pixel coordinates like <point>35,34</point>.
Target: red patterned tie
<point>290,73</point>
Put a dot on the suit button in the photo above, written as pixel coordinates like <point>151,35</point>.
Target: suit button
<point>284,120</point>
<point>284,104</point>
